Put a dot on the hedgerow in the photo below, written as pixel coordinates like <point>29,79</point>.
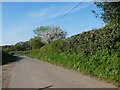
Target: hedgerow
<point>7,58</point>
<point>96,52</point>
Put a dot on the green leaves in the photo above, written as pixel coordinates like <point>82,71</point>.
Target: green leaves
<point>36,43</point>
<point>6,58</point>
<point>96,52</point>
<point>49,33</point>
<point>111,10</point>
<point>40,30</point>
<point>101,64</point>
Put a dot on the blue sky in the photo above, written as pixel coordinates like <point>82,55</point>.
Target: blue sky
<point>19,19</point>
<point>0,24</point>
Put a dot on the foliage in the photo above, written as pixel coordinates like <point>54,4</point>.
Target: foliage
<point>19,46</point>
<point>36,43</point>
<point>39,31</point>
<point>101,65</point>
<point>53,46</point>
<point>6,58</point>
<point>95,52</point>
<point>87,42</point>
<point>26,46</point>
<point>8,48</point>
<point>33,43</point>
<point>49,33</point>
<point>111,10</point>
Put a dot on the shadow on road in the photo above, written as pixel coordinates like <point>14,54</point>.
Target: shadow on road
<point>45,87</point>
<point>19,58</point>
<point>7,58</point>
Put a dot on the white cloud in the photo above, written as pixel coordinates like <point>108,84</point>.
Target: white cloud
<point>38,14</point>
<point>55,11</point>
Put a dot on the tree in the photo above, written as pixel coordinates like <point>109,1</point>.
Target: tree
<point>111,11</point>
<point>50,33</point>
<point>19,46</point>
<point>26,46</point>
<point>39,31</point>
<point>111,16</point>
<point>36,43</point>
<point>8,48</point>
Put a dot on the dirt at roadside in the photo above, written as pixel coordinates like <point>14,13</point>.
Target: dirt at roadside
<point>6,69</point>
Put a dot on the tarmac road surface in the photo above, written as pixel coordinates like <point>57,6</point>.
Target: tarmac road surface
<point>31,73</point>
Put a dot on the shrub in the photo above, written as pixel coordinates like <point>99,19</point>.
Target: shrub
<point>6,58</point>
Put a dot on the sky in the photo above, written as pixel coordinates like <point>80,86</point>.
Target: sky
<point>0,23</point>
<point>19,19</point>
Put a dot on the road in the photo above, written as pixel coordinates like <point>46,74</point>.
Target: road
<point>31,73</point>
